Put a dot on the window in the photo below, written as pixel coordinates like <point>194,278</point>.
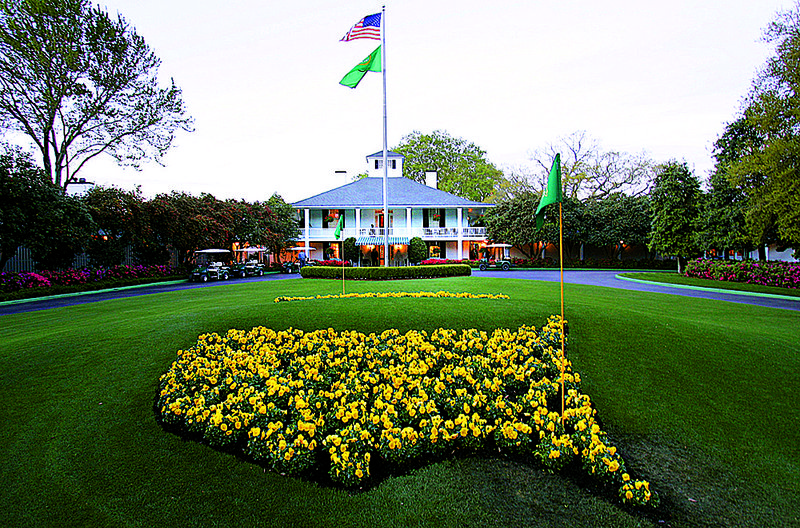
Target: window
<point>379,164</point>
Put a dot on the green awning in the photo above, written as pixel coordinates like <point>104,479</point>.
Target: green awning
<point>373,240</point>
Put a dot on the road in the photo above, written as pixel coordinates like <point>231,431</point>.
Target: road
<point>604,278</point>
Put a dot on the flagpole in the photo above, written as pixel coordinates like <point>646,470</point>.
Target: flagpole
<point>342,255</point>
<point>385,154</point>
<point>561,264</point>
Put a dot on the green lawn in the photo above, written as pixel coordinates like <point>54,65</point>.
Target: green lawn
<point>699,395</point>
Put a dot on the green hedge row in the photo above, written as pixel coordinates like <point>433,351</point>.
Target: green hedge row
<point>406,272</point>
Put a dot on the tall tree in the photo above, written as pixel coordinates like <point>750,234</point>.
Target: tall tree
<point>675,206</point>
<point>589,172</point>
<point>769,170</point>
<point>461,166</point>
<point>80,83</point>
<point>618,221</point>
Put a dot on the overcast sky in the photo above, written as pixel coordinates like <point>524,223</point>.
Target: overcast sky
<point>261,78</point>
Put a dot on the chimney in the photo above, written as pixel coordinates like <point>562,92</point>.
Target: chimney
<point>343,175</point>
<point>431,179</point>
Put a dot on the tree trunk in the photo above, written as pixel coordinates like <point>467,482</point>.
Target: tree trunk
<point>679,264</point>
<point>762,252</point>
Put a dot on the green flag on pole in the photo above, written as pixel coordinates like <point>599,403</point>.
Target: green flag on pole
<point>370,63</point>
<point>339,227</point>
<point>553,192</point>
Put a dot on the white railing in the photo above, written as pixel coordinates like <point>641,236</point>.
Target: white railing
<point>467,233</point>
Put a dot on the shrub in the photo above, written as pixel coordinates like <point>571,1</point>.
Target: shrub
<point>335,263</point>
<point>21,285</point>
<point>780,274</point>
<point>383,273</point>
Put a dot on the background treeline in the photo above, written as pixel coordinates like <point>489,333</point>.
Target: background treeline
<point>108,221</point>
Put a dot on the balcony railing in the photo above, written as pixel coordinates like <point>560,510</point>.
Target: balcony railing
<point>425,233</point>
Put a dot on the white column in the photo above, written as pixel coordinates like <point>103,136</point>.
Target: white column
<point>408,222</point>
<point>307,234</point>
<point>358,222</point>
<point>460,235</point>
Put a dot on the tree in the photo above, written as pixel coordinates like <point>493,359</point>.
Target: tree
<point>64,230</point>
<point>188,223</point>
<point>513,222</point>
<point>286,228</point>
<point>618,221</point>
<point>351,250</point>
<point>24,188</point>
<point>768,166</point>
<point>462,168</point>
<point>675,206</point>
<point>589,172</point>
<point>80,83</point>
<point>118,216</point>
<point>722,219</point>
<point>417,250</point>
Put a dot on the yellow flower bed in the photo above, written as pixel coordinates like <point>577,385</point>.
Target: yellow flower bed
<point>292,400</point>
<point>397,295</point>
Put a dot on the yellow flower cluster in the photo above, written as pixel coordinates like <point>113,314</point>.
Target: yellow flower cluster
<point>291,397</point>
<point>397,295</point>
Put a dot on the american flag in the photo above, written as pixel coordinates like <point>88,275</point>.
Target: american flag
<point>368,27</point>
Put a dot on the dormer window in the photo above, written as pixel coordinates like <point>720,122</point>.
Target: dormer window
<point>379,164</point>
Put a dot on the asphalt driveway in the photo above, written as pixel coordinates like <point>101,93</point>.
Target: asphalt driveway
<point>604,278</point>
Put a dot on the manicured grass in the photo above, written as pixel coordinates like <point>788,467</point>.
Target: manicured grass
<point>674,278</point>
<point>699,395</point>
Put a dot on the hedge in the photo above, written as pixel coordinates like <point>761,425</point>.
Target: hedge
<point>391,273</point>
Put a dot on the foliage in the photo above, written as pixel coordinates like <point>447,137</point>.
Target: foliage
<point>65,230</point>
<point>24,192</point>
<point>286,227</point>
<point>80,83</point>
<point>589,172</point>
<point>398,295</point>
<point>675,206</point>
<point>417,250</point>
<point>400,399</point>
<point>513,222</point>
<point>461,166</point>
<point>385,273</point>
<point>779,274</point>
<point>617,221</point>
<point>118,216</point>
<point>722,218</point>
<point>767,165</point>
<point>735,199</point>
<point>24,285</point>
<point>351,251</point>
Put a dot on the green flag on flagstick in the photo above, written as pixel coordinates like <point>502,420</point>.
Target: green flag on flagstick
<point>339,227</point>
<point>370,63</point>
<point>553,192</point>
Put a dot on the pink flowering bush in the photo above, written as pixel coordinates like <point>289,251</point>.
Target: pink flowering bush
<point>780,274</point>
<point>13,282</point>
<point>331,263</point>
